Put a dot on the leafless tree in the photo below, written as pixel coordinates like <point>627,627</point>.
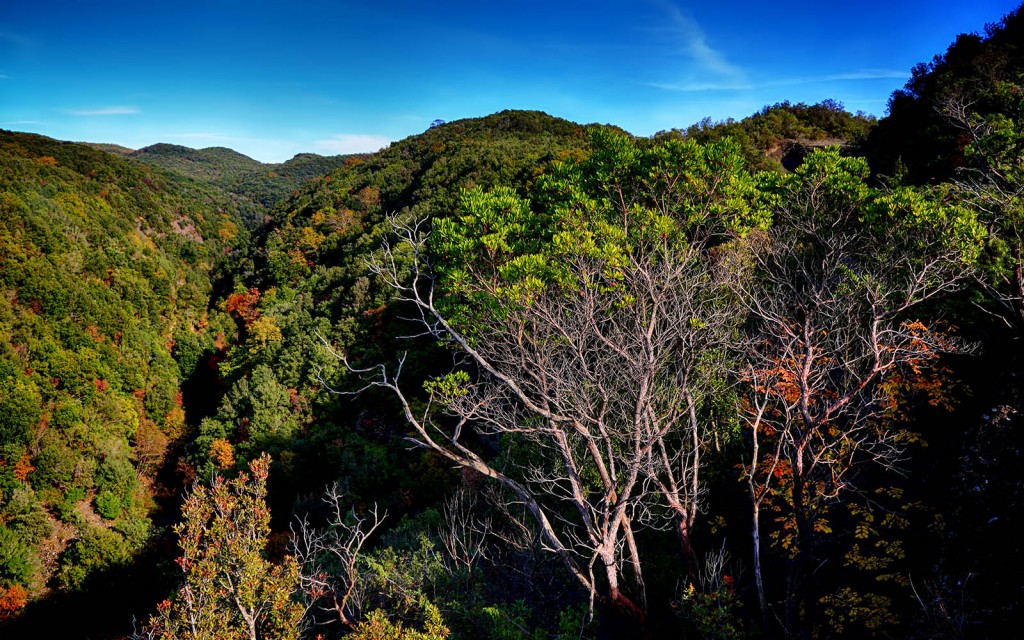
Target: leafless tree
<point>465,535</point>
<point>596,391</point>
<point>993,185</point>
<point>329,559</point>
<point>828,327</point>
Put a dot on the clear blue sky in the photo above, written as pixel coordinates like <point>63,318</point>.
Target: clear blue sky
<point>275,78</point>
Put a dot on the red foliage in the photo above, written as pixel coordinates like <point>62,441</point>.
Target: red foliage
<point>242,306</point>
<point>94,333</point>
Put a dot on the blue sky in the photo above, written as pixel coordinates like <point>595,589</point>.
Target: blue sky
<point>272,79</point>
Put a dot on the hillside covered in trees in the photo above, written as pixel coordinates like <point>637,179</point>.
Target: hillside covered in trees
<point>517,377</point>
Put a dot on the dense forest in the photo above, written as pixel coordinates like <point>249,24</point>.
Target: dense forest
<point>520,378</point>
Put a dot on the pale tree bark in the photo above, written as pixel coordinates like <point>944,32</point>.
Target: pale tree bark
<point>828,324</point>
<point>334,595</point>
<point>600,386</point>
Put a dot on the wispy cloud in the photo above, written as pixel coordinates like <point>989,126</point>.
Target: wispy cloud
<point>694,42</point>
<point>864,74</point>
<point>4,76</point>
<point>353,143</point>
<point>105,111</point>
<point>17,122</point>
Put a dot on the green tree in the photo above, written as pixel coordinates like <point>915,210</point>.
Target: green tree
<point>231,591</point>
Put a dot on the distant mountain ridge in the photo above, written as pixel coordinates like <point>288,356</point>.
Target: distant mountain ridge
<point>259,184</point>
<point>213,164</point>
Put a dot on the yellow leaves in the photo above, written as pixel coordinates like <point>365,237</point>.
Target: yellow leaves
<point>174,421</point>
<point>222,454</point>
<point>71,204</point>
<point>309,239</point>
<point>295,256</point>
<point>47,161</point>
<point>264,333</point>
<point>227,231</point>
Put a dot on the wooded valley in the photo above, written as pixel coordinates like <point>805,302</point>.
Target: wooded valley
<point>519,378</point>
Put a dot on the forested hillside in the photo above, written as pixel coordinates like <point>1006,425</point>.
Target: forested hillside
<point>104,265</point>
<point>254,185</point>
<point>516,377</point>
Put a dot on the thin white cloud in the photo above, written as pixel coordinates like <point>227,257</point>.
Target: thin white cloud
<point>353,143</point>
<point>17,122</point>
<point>864,74</point>
<point>694,42</point>
<point>4,76</point>
<point>105,111</point>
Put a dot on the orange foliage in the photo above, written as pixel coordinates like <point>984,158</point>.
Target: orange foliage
<point>368,196</point>
<point>48,161</point>
<point>12,600</point>
<point>242,306</point>
<point>23,467</point>
<point>222,454</point>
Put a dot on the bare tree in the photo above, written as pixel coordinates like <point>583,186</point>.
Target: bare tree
<point>993,186</point>
<point>828,327</point>
<point>595,388</point>
<point>465,535</point>
<point>329,559</point>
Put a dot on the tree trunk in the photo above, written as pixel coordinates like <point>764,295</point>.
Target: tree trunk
<point>800,605</point>
<point>758,579</point>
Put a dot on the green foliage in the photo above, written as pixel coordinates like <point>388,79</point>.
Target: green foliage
<point>714,613</point>
<point>781,135</point>
<point>378,626</point>
<point>231,589</point>
<point>672,190</point>
<point>98,549</point>
<point>108,265</point>
<point>253,184</point>
<point>101,259</point>
<point>108,504</point>
<point>17,560</point>
<point>19,411</point>
<point>66,509</point>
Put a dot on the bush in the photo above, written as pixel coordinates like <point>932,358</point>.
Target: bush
<point>17,562</point>
<point>108,505</point>
<point>97,549</point>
